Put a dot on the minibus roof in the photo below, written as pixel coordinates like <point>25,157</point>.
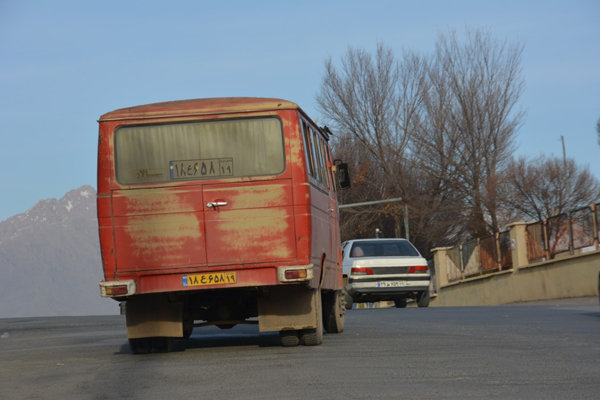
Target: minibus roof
<point>219,105</point>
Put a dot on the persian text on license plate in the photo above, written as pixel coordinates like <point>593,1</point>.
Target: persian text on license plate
<point>391,284</point>
<point>215,278</point>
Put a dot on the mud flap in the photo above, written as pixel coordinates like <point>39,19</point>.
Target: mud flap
<point>288,308</point>
<point>153,316</point>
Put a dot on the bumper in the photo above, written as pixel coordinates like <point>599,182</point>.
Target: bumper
<point>387,287</point>
<point>208,279</point>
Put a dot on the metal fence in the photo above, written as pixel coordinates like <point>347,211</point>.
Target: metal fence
<point>563,233</point>
<point>479,256</point>
<point>576,231</point>
<point>536,242</point>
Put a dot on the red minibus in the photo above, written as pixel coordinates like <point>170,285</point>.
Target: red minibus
<point>218,211</point>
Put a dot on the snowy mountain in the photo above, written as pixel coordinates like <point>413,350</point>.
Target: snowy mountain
<point>50,259</point>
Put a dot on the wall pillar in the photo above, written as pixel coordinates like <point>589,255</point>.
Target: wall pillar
<point>441,266</point>
<point>518,244</point>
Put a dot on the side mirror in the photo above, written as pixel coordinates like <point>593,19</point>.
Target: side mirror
<point>343,174</point>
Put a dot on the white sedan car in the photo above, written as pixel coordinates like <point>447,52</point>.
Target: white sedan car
<point>385,270</point>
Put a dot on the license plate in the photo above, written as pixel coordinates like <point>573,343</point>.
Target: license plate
<point>190,169</point>
<point>391,284</point>
<point>215,278</point>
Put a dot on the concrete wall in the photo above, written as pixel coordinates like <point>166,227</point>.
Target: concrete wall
<point>575,276</point>
<point>570,275</point>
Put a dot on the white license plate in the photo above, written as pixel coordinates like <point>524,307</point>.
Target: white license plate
<point>391,284</point>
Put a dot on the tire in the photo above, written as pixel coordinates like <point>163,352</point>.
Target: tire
<point>289,338</point>
<point>348,300</point>
<point>140,346</point>
<point>188,327</point>
<point>400,303</point>
<point>314,337</point>
<point>146,345</point>
<point>334,311</point>
<point>423,298</point>
<point>163,344</point>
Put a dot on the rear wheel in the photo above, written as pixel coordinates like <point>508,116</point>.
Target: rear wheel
<point>141,345</point>
<point>163,344</point>
<point>334,311</point>
<point>348,300</point>
<point>423,298</point>
<point>289,338</point>
<point>146,345</point>
<point>313,337</point>
<point>188,327</point>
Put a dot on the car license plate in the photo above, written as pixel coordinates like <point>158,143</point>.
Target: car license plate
<point>215,278</point>
<point>391,284</point>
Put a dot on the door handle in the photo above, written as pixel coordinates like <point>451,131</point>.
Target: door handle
<point>215,204</point>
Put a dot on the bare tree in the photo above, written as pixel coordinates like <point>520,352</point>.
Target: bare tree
<point>366,185</point>
<point>373,101</point>
<point>545,187</point>
<point>436,131</point>
<point>471,120</point>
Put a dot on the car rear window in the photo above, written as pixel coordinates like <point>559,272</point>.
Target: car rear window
<point>391,248</point>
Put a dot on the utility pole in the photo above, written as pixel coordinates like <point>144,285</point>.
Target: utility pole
<point>562,138</point>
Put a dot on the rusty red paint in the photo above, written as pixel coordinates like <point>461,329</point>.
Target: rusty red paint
<point>157,233</point>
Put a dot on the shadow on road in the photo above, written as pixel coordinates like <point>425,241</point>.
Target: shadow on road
<point>231,339</point>
<point>214,337</point>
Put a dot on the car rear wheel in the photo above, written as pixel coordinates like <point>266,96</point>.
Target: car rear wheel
<point>423,298</point>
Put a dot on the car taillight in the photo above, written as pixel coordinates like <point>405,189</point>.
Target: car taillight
<point>412,270</point>
<point>361,271</point>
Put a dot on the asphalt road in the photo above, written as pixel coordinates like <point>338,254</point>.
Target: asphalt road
<point>547,351</point>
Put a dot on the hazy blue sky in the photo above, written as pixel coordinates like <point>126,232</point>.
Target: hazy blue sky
<point>64,63</point>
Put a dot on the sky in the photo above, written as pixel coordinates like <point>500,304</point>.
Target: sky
<point>65,63</point>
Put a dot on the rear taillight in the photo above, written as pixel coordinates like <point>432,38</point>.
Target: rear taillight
<point>361,271</point>
<point>295,274</point>
<point>412,270</point>
<point>119,290</point>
